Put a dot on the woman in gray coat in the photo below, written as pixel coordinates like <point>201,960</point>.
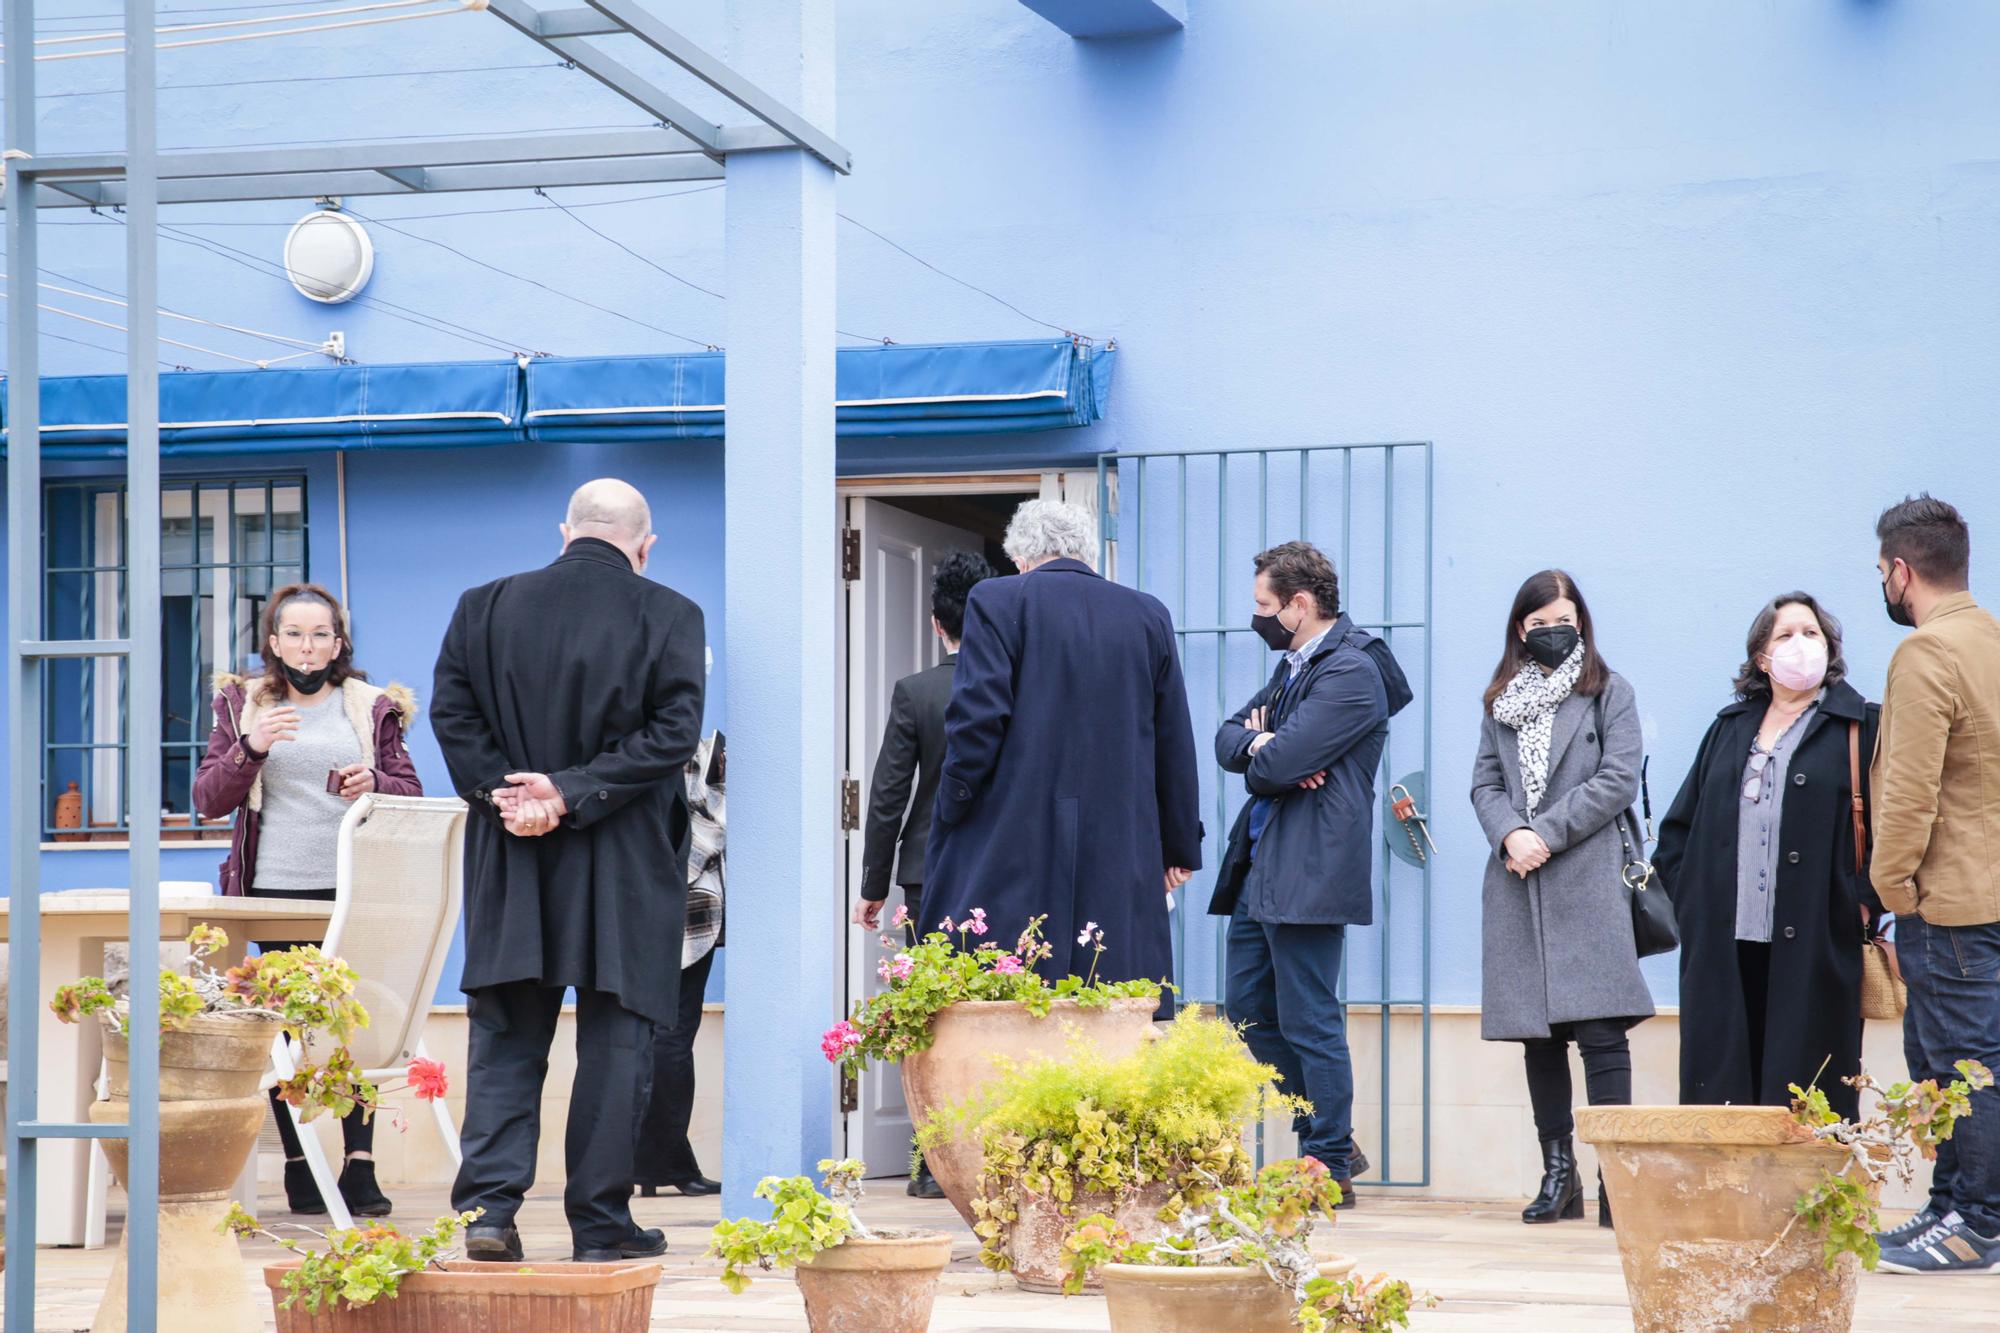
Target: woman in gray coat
<point>1558,766</point>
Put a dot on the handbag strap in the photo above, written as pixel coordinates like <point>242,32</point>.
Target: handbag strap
<point>1619,820</point>
<point>1854,788</point>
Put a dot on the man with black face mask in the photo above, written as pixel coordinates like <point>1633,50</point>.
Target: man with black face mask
<point>1297,872</point>
<point>1936,824</point>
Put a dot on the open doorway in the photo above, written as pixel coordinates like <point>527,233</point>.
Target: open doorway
<point>894,531</point>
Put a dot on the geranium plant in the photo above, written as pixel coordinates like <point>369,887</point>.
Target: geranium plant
<point>1174,1111</point>
<point>947,967</point>
<point>804,1220</point>
<point>1905,1124</point>
<point>358,1266</point>
<point>1266,1224</point>
<point>302,991</point>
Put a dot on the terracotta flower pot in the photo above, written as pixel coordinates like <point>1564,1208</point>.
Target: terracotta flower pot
<point>1142,1298</point>
<point>1700,1193</point>
<point>489,1298</point>
<point>1035,1244</point>
<point>884,1285</point>
<point>959,1061</point>
<point>215,1057</point>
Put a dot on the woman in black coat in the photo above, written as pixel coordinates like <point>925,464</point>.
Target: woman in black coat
<point>1759,857</point>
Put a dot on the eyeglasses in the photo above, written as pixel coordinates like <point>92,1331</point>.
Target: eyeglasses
<point>319,638</point>
<point>1753,786</point>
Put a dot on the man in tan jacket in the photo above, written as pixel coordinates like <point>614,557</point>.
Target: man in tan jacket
<point>1936,864</point>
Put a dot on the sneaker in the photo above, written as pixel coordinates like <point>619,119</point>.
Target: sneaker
<point>1926,1218</point>
<point>1949,1247</point>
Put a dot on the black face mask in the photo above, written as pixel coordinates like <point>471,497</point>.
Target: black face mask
<point>1551,645</point>
<point>1273,632</point>
<point>1899,610</point>
<point>307,682</point>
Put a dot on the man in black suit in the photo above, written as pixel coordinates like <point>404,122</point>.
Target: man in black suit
<point>912,754</point>
<point>567,703</point>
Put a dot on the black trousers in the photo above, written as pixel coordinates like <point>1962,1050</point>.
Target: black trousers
<point>512,1027</point>
<point>665,1156</point>
<point>1607,1072</point>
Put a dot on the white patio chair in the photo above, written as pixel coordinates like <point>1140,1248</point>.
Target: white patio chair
<point>398,874</point>
<point>398,877</point>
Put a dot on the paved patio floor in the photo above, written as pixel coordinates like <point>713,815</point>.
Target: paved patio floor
<point>1488,1271</point>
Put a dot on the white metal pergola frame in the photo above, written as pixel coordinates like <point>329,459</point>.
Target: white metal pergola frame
<point>684,146</point>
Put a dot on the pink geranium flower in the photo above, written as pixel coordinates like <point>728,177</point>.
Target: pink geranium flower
<point>1007,965</point>
<point>947,926</point>
<point>902,916</point>
<point>977,925</point>
<point>427,1079</point>
<point>839,1039</point>
<point>903,966</point>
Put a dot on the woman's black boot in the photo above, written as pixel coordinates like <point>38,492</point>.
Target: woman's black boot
<point>1561,1195</point>
<point>1603,1203</point>
<point>301,1190</point>
<point>358,1188</point>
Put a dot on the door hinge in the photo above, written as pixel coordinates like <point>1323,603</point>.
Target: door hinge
<point>850,555</point>
<point>850,804</point>
<point>850,1093</point>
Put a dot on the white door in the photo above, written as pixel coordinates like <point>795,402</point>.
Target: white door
<point>888,636</point>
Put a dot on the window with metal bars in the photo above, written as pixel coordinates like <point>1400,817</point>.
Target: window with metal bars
<point>225,546</point>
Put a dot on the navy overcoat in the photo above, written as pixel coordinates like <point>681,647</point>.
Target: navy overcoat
<point>1069,784</point>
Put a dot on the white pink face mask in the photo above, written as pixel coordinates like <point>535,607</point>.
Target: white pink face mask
<point>1799,663</point>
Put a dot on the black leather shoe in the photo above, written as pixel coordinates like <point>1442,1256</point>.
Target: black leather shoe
<point>359,1191</point>
<point>923,1185</point>
<point>493,1244</point>
<point>301,1190</point>
<point>1358,1164</point>
<point>640,1245</point>
<point>694,1188</point>
<point>1561,1195</point>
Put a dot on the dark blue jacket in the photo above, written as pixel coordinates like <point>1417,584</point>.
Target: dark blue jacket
<point>1314,857</point>
<point>1069,783</point>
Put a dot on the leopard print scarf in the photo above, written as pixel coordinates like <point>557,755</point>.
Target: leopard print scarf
<point>1528,705</point>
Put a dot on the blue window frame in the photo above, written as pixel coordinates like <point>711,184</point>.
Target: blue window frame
<point>225,545</point>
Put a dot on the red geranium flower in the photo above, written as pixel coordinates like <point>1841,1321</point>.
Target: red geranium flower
<point>427,1079</point>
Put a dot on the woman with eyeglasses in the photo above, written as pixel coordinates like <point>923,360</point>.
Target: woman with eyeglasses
<point>1769,888</point>
<point>1560,748</point>
<point>292,748</point>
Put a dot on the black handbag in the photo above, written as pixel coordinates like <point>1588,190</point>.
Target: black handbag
<point>1653,929</point>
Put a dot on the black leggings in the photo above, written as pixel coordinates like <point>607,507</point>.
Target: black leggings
<point>1607,1072</point>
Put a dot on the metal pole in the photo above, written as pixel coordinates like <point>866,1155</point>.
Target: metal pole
<point>24,676</point>
<point>142,667</point>
<point>1388,776</point>
<point>1430,637</point>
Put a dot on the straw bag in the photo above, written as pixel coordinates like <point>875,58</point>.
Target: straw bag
<point>1883,995</point>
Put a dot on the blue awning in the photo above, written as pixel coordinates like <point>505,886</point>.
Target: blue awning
<point>943,389</point>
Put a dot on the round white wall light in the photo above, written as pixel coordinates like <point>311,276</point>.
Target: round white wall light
<point>328,257</point>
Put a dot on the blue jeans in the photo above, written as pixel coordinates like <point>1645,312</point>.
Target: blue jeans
<point>1283,984</point>
<point>1953,973</point>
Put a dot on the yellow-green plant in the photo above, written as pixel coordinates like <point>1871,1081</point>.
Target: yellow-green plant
<point>302,991</point>
<point>1172,1112</point>
<point>1266,1225</point>
<point>803,1222</point>
<point>1907,1122</point>
<point>360,1265</point>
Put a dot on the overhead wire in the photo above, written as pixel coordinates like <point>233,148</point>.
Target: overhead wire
<point>533,282</point>
<point>971,286</point>
<point>120,328</point>
<point>310,78</point>
<point>73,39</point>
<point>277,272</point>
<point>455,7</point>
<point>612,240</point>
<point>186,9</point>
<point>118,352</point>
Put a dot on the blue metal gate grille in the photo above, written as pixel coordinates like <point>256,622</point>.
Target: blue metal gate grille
<point>1183,525</point>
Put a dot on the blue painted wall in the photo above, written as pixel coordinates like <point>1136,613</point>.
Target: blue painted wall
<point>1683,294</point>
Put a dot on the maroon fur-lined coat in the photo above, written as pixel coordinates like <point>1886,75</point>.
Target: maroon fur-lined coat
<point>230,780</point>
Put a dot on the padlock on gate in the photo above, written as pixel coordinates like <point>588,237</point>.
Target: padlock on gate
<point>1403,805</point>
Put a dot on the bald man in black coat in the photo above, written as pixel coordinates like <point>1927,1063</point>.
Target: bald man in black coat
<point>567,702</point>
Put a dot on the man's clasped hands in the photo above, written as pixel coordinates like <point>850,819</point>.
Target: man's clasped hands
<point>530,805</point>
